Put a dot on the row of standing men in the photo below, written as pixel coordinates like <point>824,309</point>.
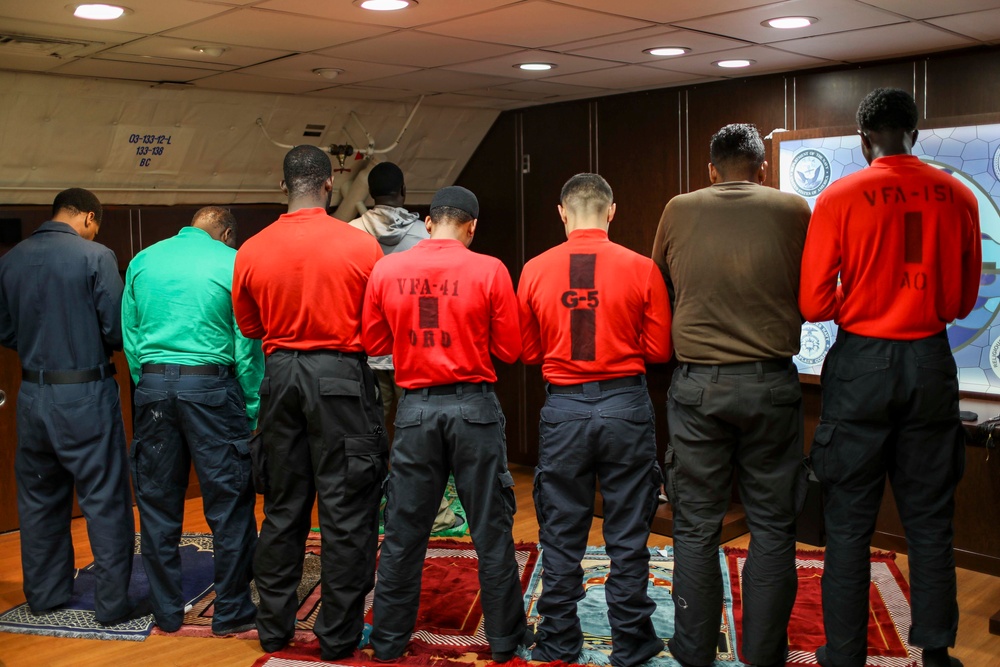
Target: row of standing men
<point>740,273</point>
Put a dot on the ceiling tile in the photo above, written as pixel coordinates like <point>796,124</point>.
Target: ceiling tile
<point>631,51</point>
<point>426,11</point>
<point>626,78</point>
<point>439,81</point>
<point>147,16</point>
<point>259,84</point>
<point>275,30</point>
<point>73,32</point>
<point>663,11</point>
<point>534,24</point>
<point>475,101</point>
<point>767,60</point>
<point>420,49</point>
<point>922,9</point>
<point>833,15</point>
<point>881,42</point>
<point>30,63</point>
<point>506,65</point>
<point>183,49</point>
<point>366,93</point>
<point>301,67</point>
<point>984,26</point>
<point>553,89</point>
<point>170,62</point>
<point>113,69</point>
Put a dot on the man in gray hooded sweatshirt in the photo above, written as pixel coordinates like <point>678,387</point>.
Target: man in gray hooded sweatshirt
<point>396,230</point>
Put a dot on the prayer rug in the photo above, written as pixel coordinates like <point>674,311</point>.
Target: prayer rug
<point>593,609</point>
<point>450,620</point>
<point>76,618</point>
<point>451,493</point>
<point>889,605</point>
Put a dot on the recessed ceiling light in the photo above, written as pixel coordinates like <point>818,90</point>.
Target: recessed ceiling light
<point>97,12</point>
<point>535,67</point>
<point>668,51</point>
<point>790,22</point>
<point>734,63</point>
<point>213,51</point>
<point>328,72</point>
<point>384,5</point>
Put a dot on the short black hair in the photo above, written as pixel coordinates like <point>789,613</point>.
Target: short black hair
<point>305,169</point>
<point>385,179</point>
<point>888,109</point>
<point>737,146</point>
<point>450,214</point>
<point>78,200</point>
<point>587,193</point>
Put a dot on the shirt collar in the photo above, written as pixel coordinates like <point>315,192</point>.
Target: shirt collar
<point>53,226</point>
<point>588,234</point>
<point>194,232</point>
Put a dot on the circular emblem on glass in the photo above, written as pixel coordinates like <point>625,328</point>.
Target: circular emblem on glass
<point>995,357</point>
<point>996,164</point>
<point>814,344</point>
<point>810,172</point>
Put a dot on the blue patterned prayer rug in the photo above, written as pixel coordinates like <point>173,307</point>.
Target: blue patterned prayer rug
<point>76,618</point>
<point>593,609</point>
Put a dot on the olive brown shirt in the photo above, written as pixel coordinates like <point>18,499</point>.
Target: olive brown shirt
<point>731,255</point>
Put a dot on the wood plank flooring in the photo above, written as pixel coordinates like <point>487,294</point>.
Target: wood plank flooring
<point>979,597</point>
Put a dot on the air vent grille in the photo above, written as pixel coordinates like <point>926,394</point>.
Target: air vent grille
<point>27,45</point>
<point>313,130</point>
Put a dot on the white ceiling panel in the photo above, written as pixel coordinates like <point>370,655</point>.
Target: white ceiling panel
<point>113,69</point>
<point>665,11</point>
<point>923,9</point>
<point>260,84</point>
<point>984,26</point>
<point>534,24</point>
<point>629,77</point>
<point>859,45</point>
<point>554,89</point>
<point>147,16</point>
<point>507,65</point>
<point>301,67</point>
<point>631,51</point>
<point>275,30</point>
<point>419,49</point>
<point>183,49</point>
<point>475,101</point>
<point>170,62</point>
<point>833,15</point>
<point>75,32</point>
<point>439,81</point>
<point>426,11</point>
<point>367,93</point>
<point>766,60</point>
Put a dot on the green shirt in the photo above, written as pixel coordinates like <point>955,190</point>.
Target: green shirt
<point>178,309</point>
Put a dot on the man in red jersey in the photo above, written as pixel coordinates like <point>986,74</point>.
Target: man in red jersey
<point>732,254</point>
<point>593,330</point>
<point>299,285</point>
<point>441,310</point>
<point>904,237</point>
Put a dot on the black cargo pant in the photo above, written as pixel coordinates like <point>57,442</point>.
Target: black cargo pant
<point>323,436</point>
<point>890,408</point>
<point>199,418</point>
<point>605,435</point>
<point>71,435</point>
<point>459,429</point>
<point>747,418</point>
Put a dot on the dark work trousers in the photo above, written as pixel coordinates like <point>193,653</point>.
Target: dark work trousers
<point>323,434</point>
<point>199,418</point>
<point>72,435</point>
<point>745,418</point>
<point>890,408</point>
<point>436,434</point>
<point>607,436</point>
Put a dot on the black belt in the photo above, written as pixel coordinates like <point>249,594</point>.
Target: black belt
<point>453,388</point>
<point>747,368</point>
<point>602,385</point>
<point>360,356</point>
<point>206,369</point>
<point>68,377</point>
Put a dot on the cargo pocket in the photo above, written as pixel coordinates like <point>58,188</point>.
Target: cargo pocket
<point>789,394</point>
<point>631,427</point>
<point>823,463</point>
<point>656,481</point>
<point>860,385</point>
<point>684,394</point>
<point>558,432</point>
<point>408,417</point>
<point>669,478</point>
<point>366,455</point>
<point>506,483</point>
<point>258,464</point>
<point>242,472</point>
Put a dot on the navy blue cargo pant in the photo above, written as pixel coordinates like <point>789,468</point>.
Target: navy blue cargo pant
<point>323,436</point>
<point>199,418</point>
<point>605,435</point>
<point>745,418</point>
<point>890,408</point>
<point>459,429</point>
<point>72,435</point>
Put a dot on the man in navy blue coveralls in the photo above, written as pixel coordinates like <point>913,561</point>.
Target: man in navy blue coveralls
<point>60,309</point>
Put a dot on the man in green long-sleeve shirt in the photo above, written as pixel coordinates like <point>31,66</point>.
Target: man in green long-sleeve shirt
<point>196,399</point>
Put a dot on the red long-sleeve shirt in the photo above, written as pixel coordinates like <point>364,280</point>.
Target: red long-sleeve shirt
<point>593,310</point>
<point>300,283</point>
<point>904,238</point>
<point>441,310</point>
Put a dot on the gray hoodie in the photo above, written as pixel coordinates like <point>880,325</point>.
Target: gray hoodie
<point>396,230</point>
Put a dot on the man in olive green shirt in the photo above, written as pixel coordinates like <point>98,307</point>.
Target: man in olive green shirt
<point>196,399</point>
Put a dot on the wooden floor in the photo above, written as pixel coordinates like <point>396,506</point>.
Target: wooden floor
<point>979,598</point>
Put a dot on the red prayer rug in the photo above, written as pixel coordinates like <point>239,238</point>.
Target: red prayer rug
<point>888,622</point>
<point>450,620</point>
